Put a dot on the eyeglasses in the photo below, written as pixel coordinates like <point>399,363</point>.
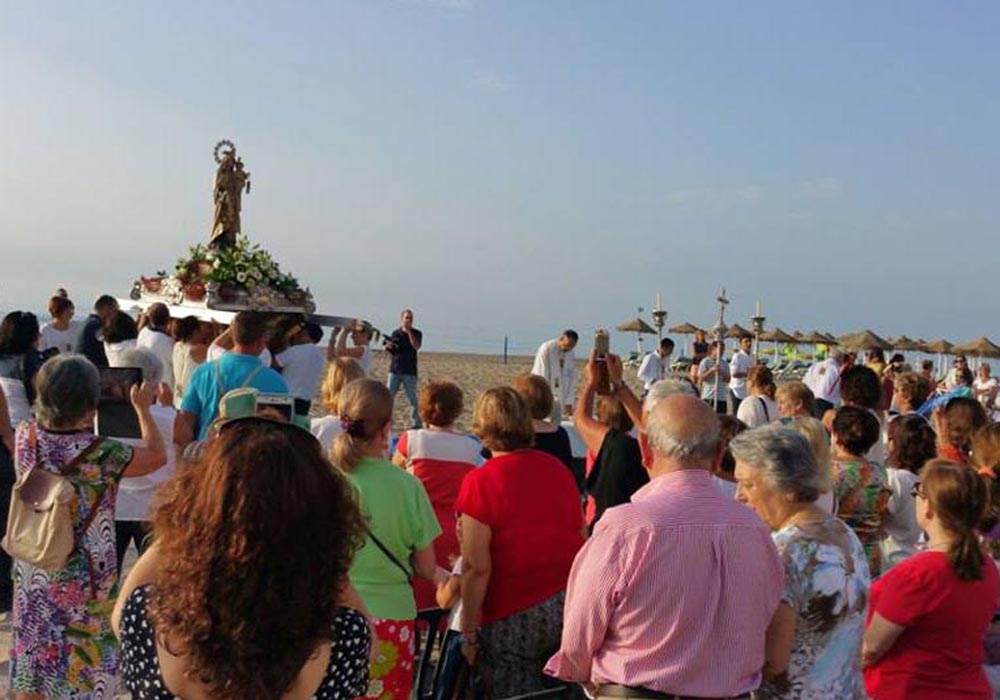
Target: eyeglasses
<point>917,491</point>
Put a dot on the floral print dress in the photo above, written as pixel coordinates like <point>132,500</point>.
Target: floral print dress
<point>63,646</point>
<point>862,493</point>
<point>826,584</point>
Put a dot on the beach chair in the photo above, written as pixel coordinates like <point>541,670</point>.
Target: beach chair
<point>429,632</point>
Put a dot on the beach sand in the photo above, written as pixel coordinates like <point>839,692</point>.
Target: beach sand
<point>474,373</point>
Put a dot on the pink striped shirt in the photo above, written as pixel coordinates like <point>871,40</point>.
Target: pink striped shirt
<point>673,592</point>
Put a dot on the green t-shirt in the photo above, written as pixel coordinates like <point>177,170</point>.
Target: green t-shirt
<point>400,514</point>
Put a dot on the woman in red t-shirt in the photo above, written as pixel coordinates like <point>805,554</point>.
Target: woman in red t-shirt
<point>521,528</point>
<point>929,614</point>
<point>440,457</point>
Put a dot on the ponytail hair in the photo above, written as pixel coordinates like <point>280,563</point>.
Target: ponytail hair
<point>365,406</point>
<point>959,497</point>
<point>762,377</point>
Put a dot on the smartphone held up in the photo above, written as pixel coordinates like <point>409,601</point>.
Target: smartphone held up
<point>602,346</point>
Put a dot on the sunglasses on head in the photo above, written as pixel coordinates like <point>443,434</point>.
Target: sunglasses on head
<point>918,490</point>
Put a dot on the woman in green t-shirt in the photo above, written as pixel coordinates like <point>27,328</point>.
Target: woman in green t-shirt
<point>401,532</point>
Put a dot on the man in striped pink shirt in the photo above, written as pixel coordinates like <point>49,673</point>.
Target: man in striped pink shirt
<point>674,592</point>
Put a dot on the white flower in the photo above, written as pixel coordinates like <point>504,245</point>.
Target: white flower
<point>217,264</point>
<point>241,277</point>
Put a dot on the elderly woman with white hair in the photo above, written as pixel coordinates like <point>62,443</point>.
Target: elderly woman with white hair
<point>63,646</point>
<point>814,644</point>
<point>135,493</point>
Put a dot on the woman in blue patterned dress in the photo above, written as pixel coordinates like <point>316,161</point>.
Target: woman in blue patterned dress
<point>62,644</point>
<point>814,644</point>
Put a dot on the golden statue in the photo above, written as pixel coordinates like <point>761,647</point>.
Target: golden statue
<point>230,181</point>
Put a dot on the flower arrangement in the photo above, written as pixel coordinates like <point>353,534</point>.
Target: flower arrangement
<point>245,265</point>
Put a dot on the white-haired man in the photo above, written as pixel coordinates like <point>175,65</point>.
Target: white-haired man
<point>674,593</point>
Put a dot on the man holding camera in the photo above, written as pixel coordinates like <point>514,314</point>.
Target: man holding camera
<point>403,345</point>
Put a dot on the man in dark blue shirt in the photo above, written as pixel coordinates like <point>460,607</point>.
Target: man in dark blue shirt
<point>90,342</point>
<point>403,345</point>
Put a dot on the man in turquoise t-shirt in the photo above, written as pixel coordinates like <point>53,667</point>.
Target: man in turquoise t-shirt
<point>241,367</point>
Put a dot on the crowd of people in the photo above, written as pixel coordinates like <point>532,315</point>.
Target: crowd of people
<point>720,536</point>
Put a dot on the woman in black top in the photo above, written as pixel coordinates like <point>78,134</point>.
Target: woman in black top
<point>549,437</point>
<point>618,471</point>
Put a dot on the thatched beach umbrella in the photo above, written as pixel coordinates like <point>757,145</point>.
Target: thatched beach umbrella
<point>737,331</point>
<point>903,343</point>
<point>685,329</point>
<point>980,347</point>
<point>778,336</point>
<point>865,340</point>
<point>941,348</point>
<point>639,327</point>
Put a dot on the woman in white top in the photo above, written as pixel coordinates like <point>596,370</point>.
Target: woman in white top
<point>60,333</point>
<point>340,373</point>
<point>190,350</point>
<point>135,493</point>
<point>154,334</point>
<point>984,388</point>
<point>759,407</point>
<point>120,334</point>
<point>361,333</point>
<point>911,444</point>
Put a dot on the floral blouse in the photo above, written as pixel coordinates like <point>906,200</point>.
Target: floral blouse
<point>826,584</point>
<point>862,492</point>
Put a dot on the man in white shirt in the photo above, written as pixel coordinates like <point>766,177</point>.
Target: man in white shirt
<point>656,365</point>
<point>156,337</point>
<point>739,368</point>
<point>555,363</point>
<point>823,380</point>
<point>302,364</point>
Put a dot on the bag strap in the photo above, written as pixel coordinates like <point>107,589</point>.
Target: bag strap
<point>220,386</point>
<point>88,521</point>
<point>763,404</point>
<point>388,553</point>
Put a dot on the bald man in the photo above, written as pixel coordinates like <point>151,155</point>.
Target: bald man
<point>675,591</point>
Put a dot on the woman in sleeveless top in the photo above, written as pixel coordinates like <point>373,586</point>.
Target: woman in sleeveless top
<point>440,456</point>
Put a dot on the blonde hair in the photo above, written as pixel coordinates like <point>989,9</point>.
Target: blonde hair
<point>365,407</point>
<point>341,371</point>
<point>814,432</point>
<point>501,419</point>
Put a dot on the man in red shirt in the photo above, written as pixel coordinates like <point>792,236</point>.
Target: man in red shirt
<point>675,591</point>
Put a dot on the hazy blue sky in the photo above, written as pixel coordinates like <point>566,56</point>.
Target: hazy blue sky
<point>520,167</point>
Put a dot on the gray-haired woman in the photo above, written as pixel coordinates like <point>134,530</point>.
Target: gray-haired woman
<point>62,644</point>
<point>814,649</point>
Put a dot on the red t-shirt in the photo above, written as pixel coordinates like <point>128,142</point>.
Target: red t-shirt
<point>530,503</point>
<point>940,654</point>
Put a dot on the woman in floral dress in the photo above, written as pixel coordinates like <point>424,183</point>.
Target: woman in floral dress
<point>814,644</point>
<point>62,644</point>
<point>861,487</point>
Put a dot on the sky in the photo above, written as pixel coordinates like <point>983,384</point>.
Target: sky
<point>519,167</point>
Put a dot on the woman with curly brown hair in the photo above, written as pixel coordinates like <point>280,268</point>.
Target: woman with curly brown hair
<point>232,601</point>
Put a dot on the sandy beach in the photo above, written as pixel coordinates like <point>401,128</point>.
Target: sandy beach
<point>474,373</point>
